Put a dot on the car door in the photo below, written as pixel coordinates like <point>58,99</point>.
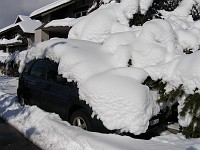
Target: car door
<point>34,82</point>
<point>56,94</point>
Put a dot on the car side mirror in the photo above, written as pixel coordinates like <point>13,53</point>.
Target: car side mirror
<point>60,79</point>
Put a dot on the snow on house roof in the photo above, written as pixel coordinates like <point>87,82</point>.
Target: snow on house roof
<point>10,41</point>
<point>27,25</point>
<point>8,27</point>
<point>49,7</point>
<point>22,18</point>
<point>62,22</point>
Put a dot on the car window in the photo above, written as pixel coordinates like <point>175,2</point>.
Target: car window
<point>38,69</point>
<point>28,67</point>
<point>52,71</point>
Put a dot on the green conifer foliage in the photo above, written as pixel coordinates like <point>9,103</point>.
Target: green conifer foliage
<point>191,105</point>
<point>195,12</point>
<point>153,12</point>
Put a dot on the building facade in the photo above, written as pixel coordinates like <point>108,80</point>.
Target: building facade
<point>18,36</point>
<point>58,10</point>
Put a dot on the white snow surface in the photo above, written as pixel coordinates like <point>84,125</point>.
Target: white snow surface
<point>99,85</point>
<point>27,25</point>
<point>108,19</point>
<point>3,56</point>
<point>109,95</point>
<point>22,18</point>
<point>49,132</point>
<point>92,27</point>
<point>182,70</point>
<point>62,22</point>
<point>157,46</point>
<point>10,41</point>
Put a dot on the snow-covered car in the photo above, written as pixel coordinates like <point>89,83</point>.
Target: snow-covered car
<point>80,81</point>
<point>41,85</point>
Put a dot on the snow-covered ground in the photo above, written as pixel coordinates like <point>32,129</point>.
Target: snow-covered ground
<point>48,131</point>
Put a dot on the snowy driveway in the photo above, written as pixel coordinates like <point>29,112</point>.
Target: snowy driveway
<point>48,131</point>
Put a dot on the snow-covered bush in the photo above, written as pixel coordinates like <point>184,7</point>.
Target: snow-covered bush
<point>153,11</point>
<point>12,63</point>
<point>3,57</point>
<point>163,39</point>
<point>190,107</point>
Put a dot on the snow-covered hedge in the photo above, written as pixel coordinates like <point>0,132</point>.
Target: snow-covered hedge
<point>167,47</point>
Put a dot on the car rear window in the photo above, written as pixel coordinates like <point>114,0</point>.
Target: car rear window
<point>28,67</point>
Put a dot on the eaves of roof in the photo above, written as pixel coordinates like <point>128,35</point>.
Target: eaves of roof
<point>51,8</point>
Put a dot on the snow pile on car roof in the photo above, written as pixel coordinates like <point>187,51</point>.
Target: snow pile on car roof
<point>116,96</point>
<point>78,60</point>
<point>120,100</point>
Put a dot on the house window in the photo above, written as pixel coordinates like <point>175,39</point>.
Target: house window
<point>80,14</point>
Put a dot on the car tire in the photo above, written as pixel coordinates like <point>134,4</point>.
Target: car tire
<point>80,118</point>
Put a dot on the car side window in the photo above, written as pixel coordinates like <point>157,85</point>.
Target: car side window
<point>39,68</point>
<point>52,71</point>
<point>28,67</point>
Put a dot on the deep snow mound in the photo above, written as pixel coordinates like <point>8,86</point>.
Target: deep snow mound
<point>118,93</point>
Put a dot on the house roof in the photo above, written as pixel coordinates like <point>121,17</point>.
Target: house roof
<point>62,22</point>
<point>26,24</point>
<point>50,7</point>
<point>21,18</point>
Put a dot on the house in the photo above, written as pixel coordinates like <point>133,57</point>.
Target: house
<point>18,36</point>
<point>58,17</point>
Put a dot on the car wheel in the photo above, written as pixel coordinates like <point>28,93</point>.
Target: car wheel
<point>81,119</point>
<point>21,100</point>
